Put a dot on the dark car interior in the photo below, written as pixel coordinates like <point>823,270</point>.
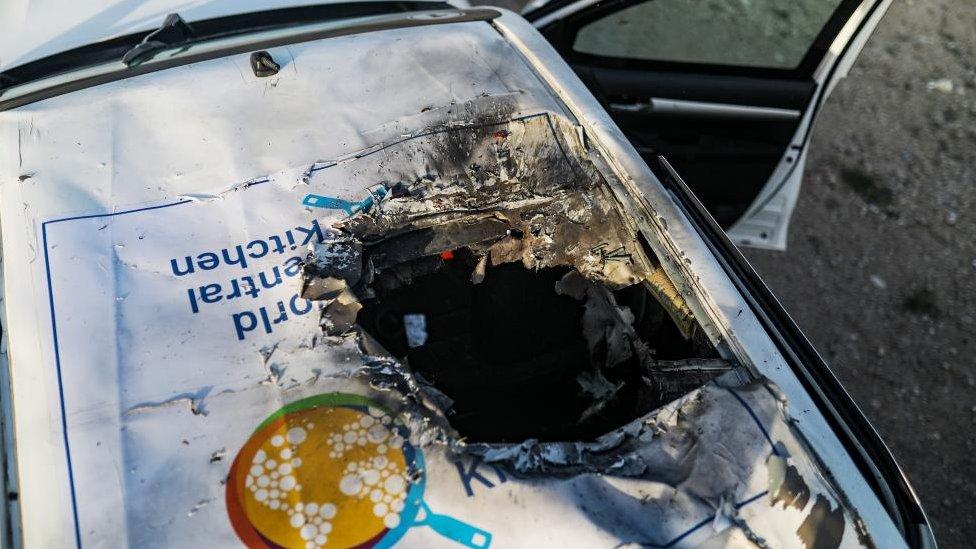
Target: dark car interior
<point>718,88</point>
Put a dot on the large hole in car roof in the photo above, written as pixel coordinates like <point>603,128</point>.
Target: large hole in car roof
<point>509,281</point>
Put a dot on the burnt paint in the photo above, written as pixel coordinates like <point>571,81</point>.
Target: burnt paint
<point>794,492</point>
<point>823,528</point>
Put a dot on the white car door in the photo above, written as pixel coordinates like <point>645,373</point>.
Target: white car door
<point>727,92</point>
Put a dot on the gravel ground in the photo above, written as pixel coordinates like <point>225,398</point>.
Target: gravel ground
<point>881,267</point>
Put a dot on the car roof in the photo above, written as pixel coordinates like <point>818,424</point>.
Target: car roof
<point>34,29</point>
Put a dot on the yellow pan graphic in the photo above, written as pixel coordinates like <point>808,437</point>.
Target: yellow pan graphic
<point>333,470</point>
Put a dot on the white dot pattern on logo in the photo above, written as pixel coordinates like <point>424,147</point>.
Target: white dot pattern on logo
<point>272,482</point>
<point>379,478</point>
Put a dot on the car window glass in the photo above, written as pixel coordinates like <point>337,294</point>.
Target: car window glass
<point>760,33</point>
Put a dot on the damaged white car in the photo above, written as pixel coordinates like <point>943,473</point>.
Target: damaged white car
<point>386,273</point>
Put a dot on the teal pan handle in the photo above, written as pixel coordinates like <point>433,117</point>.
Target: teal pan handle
<point>319,201</point>
<point>455,530</point>
<point>330,203</point>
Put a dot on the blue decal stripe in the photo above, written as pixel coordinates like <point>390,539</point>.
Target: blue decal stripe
<point>754,418</point>
<point>57,349</point>
<point>695,528</point>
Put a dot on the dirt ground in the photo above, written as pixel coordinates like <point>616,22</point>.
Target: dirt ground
<point>881,267</point>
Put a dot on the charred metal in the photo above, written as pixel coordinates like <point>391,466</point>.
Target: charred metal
<point>527,281</point>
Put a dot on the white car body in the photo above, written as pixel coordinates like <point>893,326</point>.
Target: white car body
<point>124,404</point>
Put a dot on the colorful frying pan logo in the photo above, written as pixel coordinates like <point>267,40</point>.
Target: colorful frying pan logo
<point>333,470</point>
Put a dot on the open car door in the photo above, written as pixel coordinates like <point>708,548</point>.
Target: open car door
<point>726,91</point>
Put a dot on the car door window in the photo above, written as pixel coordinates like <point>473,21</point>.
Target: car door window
<point>756,33</point>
